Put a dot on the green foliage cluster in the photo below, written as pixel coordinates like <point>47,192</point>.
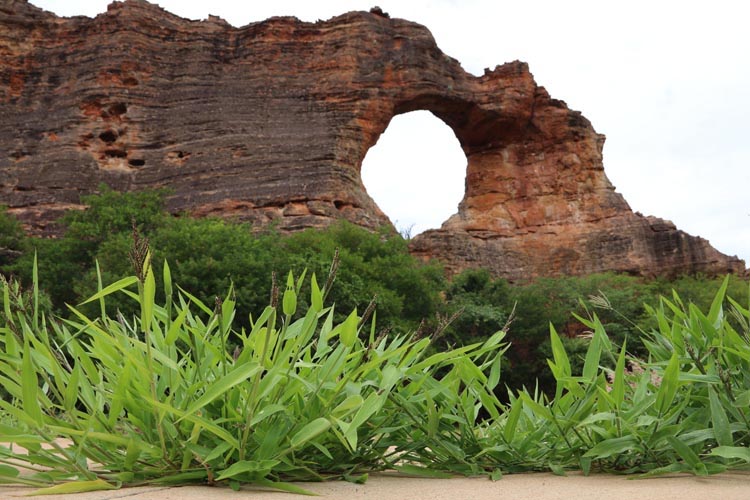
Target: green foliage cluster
<point>684,407</point>
<point>12,238</point>
<point>619,300</point>
<point>209,255</point>
<point>163,398</point>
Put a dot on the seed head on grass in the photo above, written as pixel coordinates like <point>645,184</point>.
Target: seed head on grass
<point>274,290</point>
<point>331,274</point>
<point>138,252</point>
<point>368,312</point>
<point>443,322</point>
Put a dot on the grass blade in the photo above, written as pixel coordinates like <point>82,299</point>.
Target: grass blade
<point>618,386</point>
<point>415,470</point>
<point>613,446</point>
<point>30,387</point>
<point>719,419</point>
<point>75,487</point>
<point>738,452</point>
<point>114,287</point>
<point>236,376</point>
<point>669,383</point>
<point>310,431</point>
<point>688,455</point>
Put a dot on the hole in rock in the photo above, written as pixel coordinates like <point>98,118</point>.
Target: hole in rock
<point>416,172</point>
<point>137,162</point>
<point>118,108</point>
<point>116,153</point>
<point>108,136</point>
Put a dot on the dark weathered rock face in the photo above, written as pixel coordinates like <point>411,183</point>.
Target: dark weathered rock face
<point>270,123</point>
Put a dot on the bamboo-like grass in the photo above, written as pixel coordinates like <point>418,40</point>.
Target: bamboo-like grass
<point>176,395</point>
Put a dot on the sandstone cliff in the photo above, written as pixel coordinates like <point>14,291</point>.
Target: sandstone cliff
<point>270,123</point>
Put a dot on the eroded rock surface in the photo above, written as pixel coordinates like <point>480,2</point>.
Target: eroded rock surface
<point>269,123</point>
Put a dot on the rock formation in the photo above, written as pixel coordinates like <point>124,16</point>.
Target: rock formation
<point>270,123</point>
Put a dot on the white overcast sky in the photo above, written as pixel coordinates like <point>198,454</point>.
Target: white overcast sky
<point>668,83</point>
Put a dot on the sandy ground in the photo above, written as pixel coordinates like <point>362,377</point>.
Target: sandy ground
<point>728,486</point>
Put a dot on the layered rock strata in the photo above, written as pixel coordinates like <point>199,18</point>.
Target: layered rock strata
<point>269,123</point>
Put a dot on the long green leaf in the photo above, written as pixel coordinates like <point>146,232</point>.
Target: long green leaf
<point>349,329</point>
<point>512,422</point>
<point>594,352</point>
<point>289,299</point>
<point>174,328</point>
<point>114,287</point>
<point>6,303</point>
<point>35,284</point>
<point>75,487</point>
<point>310,431</point>
<point>714,314</point>
<point>149,294</point>
<point>284,486</point>
<point>613,446</point>
<point>316,297</point>
<point>415,470</point>
<point>618,386</point>
<point>30,386</point>
<point>222,385</point>
<point>372,404</point>
<point>668,388</point>
<point>558,351</point>
<point>561,366</point>
<point>739,452</point>
<point>688,455</point>
<point>247,466</point>
<point>8,472</point>
<point>719,419</point>
<point>204,423</point>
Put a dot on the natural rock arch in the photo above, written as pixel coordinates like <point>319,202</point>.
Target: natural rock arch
<point>416,172</point>
<point>269,123</point>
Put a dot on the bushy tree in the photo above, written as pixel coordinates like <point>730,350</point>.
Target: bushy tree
<point>66,264</point>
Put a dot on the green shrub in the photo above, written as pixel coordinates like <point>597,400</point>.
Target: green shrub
<point>111,213</point>
<point>209,254</point>
<point>372,264</point>
<point>13,241</point>
<point>483,304</point>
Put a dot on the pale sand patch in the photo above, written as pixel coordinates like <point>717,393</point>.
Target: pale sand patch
<point>728,486</point>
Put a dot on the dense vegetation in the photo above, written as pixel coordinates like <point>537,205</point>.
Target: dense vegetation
<point>209,255</point>
<point>175,394</point>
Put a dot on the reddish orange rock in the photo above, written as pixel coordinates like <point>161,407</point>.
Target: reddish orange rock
<point>270,123</point>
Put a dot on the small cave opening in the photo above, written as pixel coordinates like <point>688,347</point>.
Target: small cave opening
<point>416,172</point>
<point>118,108</point>
<point>115,153</point>
<point>108,136</point>
<point>136,162</point>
